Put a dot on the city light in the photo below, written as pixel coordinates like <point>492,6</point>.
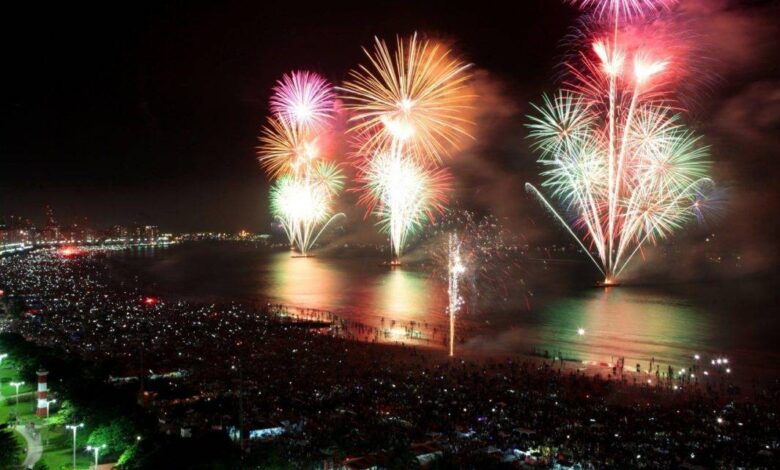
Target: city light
<point>346,203</point>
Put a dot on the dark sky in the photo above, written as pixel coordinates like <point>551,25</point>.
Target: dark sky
<point>149,112</point>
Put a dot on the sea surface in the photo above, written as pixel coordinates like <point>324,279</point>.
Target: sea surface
<point>552,309</point>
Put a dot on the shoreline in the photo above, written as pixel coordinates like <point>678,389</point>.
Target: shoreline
<point>643,379</point>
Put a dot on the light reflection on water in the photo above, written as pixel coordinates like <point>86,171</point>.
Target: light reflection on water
<point>365,292</point>
<point>635,323</point>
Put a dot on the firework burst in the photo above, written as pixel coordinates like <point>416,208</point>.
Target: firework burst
<point>303,205</point>
<point>414,99</point>
<point>616,154</point>
<point>291,153</point>
<point>402,194</point>
<point>303,97</point>
<point>288,147</point>
<point>623,8</point>
<point>408,113</point>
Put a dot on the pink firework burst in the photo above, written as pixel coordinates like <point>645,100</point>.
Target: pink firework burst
<point>623,8</point>
<point>304,98</point>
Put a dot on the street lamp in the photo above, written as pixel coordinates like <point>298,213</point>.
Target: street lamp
<point>48,424</point>
<point>74,428</point>
<point>17,385</point>
<point>49,402</point>
<point>96,450</point>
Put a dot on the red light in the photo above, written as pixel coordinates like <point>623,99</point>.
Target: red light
<point>150,300</point>
<point>69,251</point>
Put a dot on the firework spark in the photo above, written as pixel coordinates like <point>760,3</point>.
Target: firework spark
<point>617,155</point>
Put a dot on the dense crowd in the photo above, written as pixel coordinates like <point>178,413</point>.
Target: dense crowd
<point>233,366</point>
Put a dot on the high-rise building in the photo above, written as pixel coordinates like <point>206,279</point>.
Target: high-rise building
<point>151,232</point>
<point>51,230</point>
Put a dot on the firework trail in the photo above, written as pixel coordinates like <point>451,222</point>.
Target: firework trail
<point>408,113</point>
<point>488,253</point>
<point>455,270</point>
<point>291,153</point>
<point>614,150</point>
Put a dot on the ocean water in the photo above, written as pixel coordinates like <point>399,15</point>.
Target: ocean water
<point>552,308</point>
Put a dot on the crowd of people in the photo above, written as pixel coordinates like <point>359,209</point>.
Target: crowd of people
<point>242,368</point>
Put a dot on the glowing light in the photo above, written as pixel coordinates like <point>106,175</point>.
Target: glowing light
<point>150,300</point>
<point>580,331</point>
<point>70,251</point>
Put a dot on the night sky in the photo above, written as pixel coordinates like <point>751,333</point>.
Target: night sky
<point>149,112</point>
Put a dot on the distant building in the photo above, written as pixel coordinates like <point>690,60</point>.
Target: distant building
<point>150,232</point>
<point>51,232</point>
<point>119,231</point>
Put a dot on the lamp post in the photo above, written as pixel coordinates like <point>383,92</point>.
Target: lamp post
<point>74,428</point>
<point>96,450</point>
<point>49,402</point>
<point>17,385</point>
